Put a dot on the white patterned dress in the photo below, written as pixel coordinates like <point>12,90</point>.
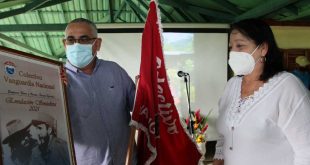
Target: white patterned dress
<point>270,127</point>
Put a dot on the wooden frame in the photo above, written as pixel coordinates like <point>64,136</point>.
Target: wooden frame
<point>33,111</point>
<point>289,56</point>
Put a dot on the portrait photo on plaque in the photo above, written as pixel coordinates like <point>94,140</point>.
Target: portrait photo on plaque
<point>34,121</point>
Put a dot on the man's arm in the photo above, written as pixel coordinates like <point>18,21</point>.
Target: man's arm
<point>218,162</point>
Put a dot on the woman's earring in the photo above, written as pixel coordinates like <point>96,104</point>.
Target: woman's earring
<point>262,59</point>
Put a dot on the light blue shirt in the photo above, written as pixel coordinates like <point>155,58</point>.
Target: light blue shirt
<point>99,106</point>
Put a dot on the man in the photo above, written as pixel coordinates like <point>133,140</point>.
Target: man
<point>49,149</point>
<point>100,97</point>
<point>20,145</point>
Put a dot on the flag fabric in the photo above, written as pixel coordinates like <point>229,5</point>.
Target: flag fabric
<point>161,139</point>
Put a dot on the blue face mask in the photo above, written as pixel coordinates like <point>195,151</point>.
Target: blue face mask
<point>80,55</point>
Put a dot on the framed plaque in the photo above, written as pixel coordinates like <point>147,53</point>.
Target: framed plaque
<point>34,121</point>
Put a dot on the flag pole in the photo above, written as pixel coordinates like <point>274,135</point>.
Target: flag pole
<point>130,145</point>
<point>133,129</point>
<point>154,105</point>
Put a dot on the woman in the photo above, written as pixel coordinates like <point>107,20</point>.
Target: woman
<point>264,113</point>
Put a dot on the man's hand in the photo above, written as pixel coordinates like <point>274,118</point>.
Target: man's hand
<point>137,77</point>
<point>63,76</point>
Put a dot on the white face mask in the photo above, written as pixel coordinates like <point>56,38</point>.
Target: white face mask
<point>80,55</point>
<point>242,63</point>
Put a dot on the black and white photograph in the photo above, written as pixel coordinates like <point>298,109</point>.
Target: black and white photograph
<point>33,116</point>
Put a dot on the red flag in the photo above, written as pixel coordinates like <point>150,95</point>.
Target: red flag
<point>161,140</point>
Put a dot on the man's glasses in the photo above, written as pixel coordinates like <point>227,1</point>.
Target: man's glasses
<point>82,40</point>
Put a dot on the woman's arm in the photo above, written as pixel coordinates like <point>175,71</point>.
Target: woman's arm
<point>297,131</point>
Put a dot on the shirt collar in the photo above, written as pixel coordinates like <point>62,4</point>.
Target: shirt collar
<point>71,67</point>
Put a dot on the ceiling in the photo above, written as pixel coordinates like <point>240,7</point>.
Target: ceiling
<point>36,26</point>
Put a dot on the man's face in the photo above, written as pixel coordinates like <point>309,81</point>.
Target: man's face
<point>39,132</point>
<point>82,30</point>
<point>21,148</point>
<point>27,141</point>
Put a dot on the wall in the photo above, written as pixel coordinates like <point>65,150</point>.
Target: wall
<point>206,62</point>
<point>289,37</point>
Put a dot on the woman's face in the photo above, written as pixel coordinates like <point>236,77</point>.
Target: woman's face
<point>240,43</point>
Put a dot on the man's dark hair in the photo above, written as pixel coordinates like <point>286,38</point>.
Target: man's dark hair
<point>86,21</point>
<point>36,123</point>
<point>21,152</point>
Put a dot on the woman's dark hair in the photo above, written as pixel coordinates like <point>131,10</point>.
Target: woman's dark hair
<point>260,32</point>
